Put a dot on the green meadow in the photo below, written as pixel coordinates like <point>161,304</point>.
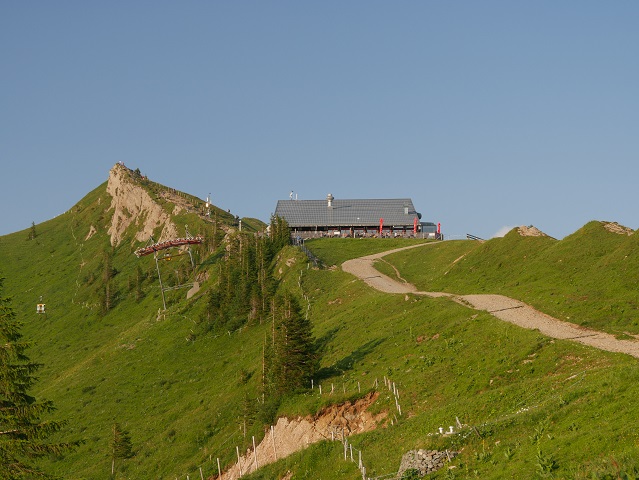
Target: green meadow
<point>530,406</point>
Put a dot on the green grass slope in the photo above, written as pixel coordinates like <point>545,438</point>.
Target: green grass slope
<point>130,365</point>
<point>530,406</point>
<point>590,278</point>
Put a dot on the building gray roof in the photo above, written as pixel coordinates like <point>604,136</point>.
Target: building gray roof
<point>396,212</point>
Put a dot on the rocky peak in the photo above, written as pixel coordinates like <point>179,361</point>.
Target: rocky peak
<point>132,205</point>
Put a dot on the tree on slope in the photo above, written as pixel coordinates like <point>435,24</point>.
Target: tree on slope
<point>291,358</point>
<point>22,432</point>
<point>121,446</point>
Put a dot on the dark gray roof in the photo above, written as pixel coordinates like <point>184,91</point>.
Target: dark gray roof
<point>347,213</point>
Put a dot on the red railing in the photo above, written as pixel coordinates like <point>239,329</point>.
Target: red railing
<point>178,242</point>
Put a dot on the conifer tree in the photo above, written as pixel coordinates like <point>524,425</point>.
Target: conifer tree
<point>32,232</point>
<point>121,446</point>
<point>280,233</point>
<point>108,291</point>
<point>291,358</point>
<point>22,432</point>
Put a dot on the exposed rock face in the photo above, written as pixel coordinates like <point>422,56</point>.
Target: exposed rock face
<point>531,231</point>
<point>132,205</point>
<point>92,231</point>
<point>291,435</point>
<point>424,461</point>
<point>614,227</point>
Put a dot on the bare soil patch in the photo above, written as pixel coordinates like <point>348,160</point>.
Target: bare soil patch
<point>291,435</point>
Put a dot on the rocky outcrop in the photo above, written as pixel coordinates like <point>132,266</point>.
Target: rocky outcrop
<point>614,227</point>
<point>424,461</point>
<point>530,231</point>
<point>132,205</point>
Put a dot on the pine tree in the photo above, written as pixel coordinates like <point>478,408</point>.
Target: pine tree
<point>121,447</point>
<point>292,358</point>
<point>108,291</point>
<point>32,232</point>
<point>280,233</point>
<point>22,432</point>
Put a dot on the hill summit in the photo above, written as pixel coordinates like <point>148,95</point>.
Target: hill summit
<point>133,205</point>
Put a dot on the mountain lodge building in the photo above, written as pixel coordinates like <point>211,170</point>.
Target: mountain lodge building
<point>354,218</point>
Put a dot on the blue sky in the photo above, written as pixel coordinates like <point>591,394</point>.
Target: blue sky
<point>488,114</point>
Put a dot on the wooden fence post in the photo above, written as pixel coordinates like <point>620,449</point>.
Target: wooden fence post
<point>239,465</point>
<point>273,440</point>
<point>257,465</point>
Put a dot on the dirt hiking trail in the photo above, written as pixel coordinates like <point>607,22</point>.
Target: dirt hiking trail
<point>504,308</point>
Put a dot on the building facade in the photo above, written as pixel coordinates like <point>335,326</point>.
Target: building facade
<point>354,218</point>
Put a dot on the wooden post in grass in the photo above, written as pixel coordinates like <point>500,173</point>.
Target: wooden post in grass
<point>239,465</point>
<point>219,470</point>
<point>351,448</point>
<point>257,465</point>
<point>273,440</point>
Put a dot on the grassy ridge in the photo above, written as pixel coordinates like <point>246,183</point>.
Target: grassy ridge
<point>589,278</point>
<point>533,406</point>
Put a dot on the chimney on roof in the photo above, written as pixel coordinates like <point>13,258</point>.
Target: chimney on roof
<point>329,199</point>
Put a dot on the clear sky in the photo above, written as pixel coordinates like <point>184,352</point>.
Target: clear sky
<point>488,114</point>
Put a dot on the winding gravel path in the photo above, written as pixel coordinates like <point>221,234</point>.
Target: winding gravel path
<point>504,308</point>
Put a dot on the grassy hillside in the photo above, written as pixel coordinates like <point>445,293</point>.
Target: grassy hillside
<point>131,365</point>
<point>533,406</point>
<point>530,406</point>
<point>589,278</point>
